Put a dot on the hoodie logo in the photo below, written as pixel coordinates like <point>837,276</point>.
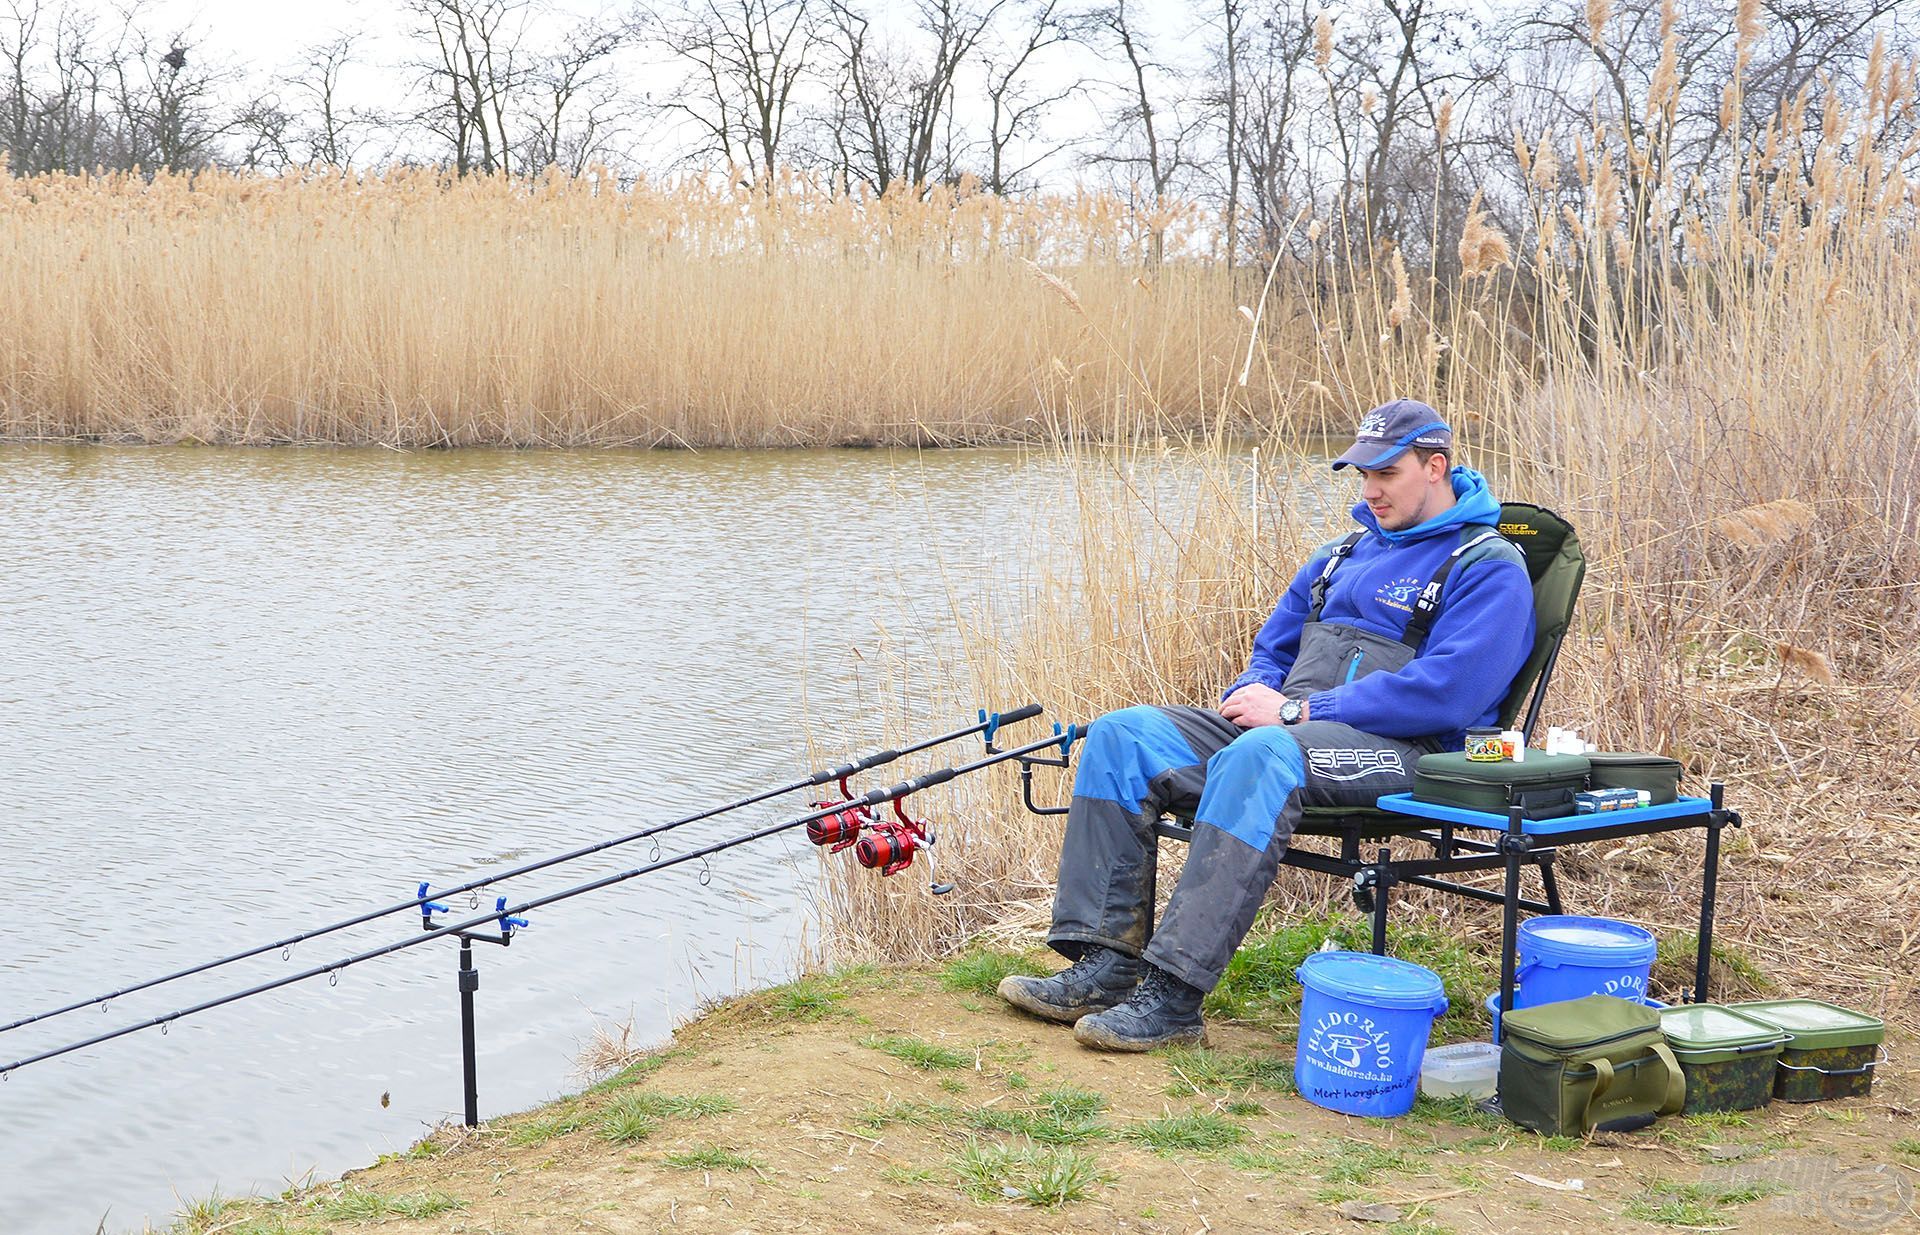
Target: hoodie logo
<point>1399,593</point>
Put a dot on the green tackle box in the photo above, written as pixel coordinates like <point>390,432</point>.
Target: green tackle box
<point>1658,775</point>
<point>1831,1051</point>
<point>1728,1057</point>
<point>1542,785</point>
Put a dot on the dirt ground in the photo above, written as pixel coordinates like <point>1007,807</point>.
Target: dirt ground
<point>908,1102</point>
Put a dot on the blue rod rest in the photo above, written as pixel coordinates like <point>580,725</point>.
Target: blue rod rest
<point>427,908</point>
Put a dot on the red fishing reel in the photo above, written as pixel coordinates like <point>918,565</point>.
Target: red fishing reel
<point>890,844</point>
<point>842,827</point>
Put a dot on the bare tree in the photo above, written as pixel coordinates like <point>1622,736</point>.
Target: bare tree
<point>748,57</point>
<point>578,99</point>
<point>1014,109</point>
<point>894,114</point>
<point>1157,139</point>
<point>473,73</point>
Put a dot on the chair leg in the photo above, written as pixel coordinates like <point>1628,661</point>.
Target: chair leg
<point>1551,884</point>
<point>1381,883</point>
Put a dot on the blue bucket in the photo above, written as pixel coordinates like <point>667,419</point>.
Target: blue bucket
<point>1493,1009</point>
<point>1364,1022</point>
<point>1567,957</point>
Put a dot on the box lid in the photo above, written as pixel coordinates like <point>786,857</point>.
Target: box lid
<point>1816,1026</point>
<point>1710,1027</point>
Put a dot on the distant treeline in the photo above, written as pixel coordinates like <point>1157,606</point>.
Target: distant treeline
<point>1384,119</point>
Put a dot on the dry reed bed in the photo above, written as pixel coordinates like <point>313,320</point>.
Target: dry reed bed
<point>412,309</point>
<point>1735,435</point>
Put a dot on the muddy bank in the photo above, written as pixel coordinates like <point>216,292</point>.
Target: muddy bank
<point>911,1101</point>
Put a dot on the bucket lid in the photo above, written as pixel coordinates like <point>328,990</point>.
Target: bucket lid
<point>1816,1026</point>
<point>1710,1027</point>
<point>1380,981</point>
<point>1566,939</point>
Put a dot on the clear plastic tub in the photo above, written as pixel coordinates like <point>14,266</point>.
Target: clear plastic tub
<point>1464,1069</point>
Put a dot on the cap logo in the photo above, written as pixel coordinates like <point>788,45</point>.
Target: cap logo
<point>1373,424</point>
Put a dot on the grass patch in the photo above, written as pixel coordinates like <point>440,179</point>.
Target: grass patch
<point>1218,1071</point>
<point>1259,987</point>
<point>712,1158</point>
<point>1908,1145</point>
<point>360,1205</point>
<point>1064,1116</point>
<point>682,1106</point>
<point>254,1224</point>
<point>979,972</point>
<point>1667,1203</point>
<point>912,1114</point>
<point>917,1052</point>
<point>1357,1162</point>
<point>1190,1133</point>
<point>1266,1160</point>
<point>1045,1177</point>
<point>635,1072</point>
<point>1731,972</point>
<point>913,1175</point>
<point>626,1121</point>
<point>558,1122</point>
<point>1458,1112</point>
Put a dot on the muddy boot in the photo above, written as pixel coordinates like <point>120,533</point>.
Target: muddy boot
<point>1097,981</point>
<point>1162,1011</point>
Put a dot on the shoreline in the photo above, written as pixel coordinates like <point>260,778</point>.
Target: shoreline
<point>907,1100</point>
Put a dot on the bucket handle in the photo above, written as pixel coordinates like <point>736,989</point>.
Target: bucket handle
<point>1863,1068</point>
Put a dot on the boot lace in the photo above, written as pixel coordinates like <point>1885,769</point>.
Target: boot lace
<point>1083,969</point>
<point>1155,985</point>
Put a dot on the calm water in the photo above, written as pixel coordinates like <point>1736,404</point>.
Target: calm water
<point>245,692</point>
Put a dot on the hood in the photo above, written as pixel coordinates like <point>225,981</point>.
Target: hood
<point>1473,503</point>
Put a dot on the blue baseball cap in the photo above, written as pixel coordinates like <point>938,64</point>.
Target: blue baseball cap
<point>1391,430</point>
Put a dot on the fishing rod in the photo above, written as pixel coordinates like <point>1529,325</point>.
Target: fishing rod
<point>509,915</point>
<point>989,723</point>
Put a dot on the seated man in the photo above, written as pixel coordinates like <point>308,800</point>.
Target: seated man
<point>1389,644</point>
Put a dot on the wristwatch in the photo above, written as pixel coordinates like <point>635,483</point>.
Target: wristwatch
<point>1290,712</point>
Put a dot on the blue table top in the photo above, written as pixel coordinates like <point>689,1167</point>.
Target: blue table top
<point>1682,808</point>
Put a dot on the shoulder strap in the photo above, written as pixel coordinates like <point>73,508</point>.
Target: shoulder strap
<point>1339,554</point>
<point>1427,607</point>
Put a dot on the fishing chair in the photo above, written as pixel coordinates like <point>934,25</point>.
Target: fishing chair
<point>1556,565</point>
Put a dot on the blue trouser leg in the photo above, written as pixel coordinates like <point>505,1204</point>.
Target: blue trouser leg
<point>1242,825</point>
<point>1135,764</point>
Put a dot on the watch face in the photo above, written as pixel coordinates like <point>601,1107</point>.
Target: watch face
<point>1290,711</point>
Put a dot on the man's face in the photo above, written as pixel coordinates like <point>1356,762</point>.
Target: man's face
<point>1403,493</point>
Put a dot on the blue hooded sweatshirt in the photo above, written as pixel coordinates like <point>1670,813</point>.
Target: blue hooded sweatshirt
<point>1479,640</point>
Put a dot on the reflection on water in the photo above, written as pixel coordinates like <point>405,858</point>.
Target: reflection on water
<point>243,692</point>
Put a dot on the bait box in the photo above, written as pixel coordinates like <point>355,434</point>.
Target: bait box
<point>1831,1051</point>
<point>1728,1058</point>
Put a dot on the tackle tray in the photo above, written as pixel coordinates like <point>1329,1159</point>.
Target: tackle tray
<point>1542,785</point>
<point>1658,775</point>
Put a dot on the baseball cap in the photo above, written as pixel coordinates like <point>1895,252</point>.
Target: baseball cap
<point>1392,429</point>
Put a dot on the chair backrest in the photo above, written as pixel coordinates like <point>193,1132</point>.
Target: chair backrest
<point>1557,565</point>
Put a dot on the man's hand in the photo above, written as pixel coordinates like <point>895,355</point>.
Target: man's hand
<point>1254,705</point>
